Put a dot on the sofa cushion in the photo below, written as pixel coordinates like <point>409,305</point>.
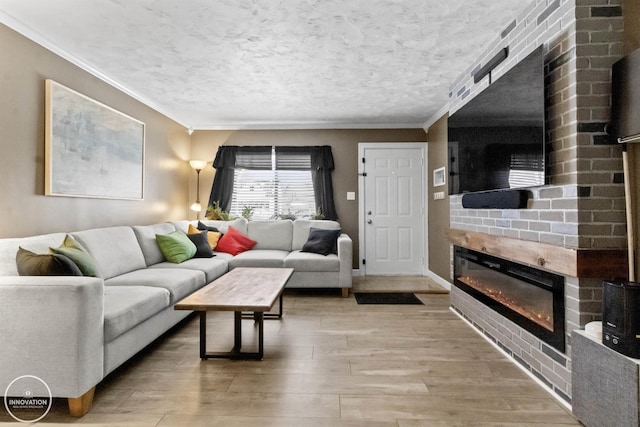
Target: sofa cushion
<point>259,258</point>
<point>176,247</point>
<point>234,242</point>
<point>115,249</point>
<point>301,230</point>
<point>180,282</point>
<point>146,235</point>
<point>32,264</point>
<point>181,225</point>
<point>79,255</point>
<point>38,244</point>
<point>275,234</point>
<point>223,256</point>
<point>309,261</point>
<point>321,241</point>
<point>212,267</point>
<point>128,306</point>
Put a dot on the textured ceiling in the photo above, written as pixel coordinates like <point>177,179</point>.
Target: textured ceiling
<point>215,64</point>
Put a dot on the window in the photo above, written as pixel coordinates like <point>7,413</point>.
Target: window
<point>274,182</point>
<point>277,187</point>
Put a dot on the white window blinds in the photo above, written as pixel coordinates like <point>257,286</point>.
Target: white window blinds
<point>273,186</point>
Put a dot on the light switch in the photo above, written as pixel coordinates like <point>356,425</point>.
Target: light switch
<point>438,195</point>
<point>351,195</point>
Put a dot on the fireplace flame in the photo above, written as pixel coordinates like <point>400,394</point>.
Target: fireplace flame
<point>541,318</point>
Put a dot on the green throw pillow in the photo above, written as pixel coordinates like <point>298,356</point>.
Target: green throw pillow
<point>79,255</point>
<point>176,247</point>
<point>32,264</point>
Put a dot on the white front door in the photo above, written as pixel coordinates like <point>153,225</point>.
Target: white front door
<point>393,211</point>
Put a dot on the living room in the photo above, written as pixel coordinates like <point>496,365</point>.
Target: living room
<point>169,182</point>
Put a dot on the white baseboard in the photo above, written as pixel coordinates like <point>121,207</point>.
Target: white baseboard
<point>356,272</point>
<point>439,280</point>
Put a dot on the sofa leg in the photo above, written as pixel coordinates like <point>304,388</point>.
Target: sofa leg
<point>345,292</point>
<point>80,406</point>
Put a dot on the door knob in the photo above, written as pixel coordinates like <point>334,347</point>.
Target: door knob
<point>368,212</point>
<point>369,221</point>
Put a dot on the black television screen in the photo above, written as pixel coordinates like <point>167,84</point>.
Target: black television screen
<point>497,139</point>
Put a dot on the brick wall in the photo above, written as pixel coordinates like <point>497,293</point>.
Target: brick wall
<point>583,204</point>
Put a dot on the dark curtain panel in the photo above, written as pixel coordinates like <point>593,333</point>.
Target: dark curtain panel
<point>321,168</point>
<point>320,160</point>
<point>222,187</point>
<point>227,159</point>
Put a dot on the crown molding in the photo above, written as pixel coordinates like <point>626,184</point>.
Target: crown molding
<point>437,116</point>
<point>304,126</point>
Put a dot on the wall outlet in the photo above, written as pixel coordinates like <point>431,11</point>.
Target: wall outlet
<point>351,195</point>
<point>439,195</point>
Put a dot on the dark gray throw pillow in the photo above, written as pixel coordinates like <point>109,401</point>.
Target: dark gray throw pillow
<point>32,264</point>
<point>202,226</point>
<point>321,241</point>
<point>203,248</point>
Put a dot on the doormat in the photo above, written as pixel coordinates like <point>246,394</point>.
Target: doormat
<point>387,298</point>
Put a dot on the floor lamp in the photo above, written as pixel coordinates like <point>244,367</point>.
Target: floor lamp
<point>198,165</point>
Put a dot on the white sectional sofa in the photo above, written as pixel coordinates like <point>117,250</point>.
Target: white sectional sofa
<point>72,331</point>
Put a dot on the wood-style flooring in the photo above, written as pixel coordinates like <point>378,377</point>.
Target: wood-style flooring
<point>328,362</point>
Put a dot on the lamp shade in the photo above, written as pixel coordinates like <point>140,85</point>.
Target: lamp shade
<point>198,164</point>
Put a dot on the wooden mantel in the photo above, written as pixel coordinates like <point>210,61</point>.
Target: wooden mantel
<point>581,263</point>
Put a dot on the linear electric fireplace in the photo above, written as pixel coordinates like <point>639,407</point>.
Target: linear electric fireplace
<point>529,297</point>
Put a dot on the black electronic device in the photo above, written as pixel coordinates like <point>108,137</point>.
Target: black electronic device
<point>499,199</point>
<point>497,139</point>
<point>621,317</point>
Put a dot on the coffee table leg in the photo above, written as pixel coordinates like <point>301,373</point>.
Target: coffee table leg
<point>237,332</point>
<point>203,335</point>
<point>260,316</point>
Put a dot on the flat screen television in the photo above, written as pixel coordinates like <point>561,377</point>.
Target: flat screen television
<point>497,139</point>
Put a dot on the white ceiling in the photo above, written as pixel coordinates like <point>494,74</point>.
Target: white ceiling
<point>265,64</point>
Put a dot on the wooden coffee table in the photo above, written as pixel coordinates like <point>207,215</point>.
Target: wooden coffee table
<point>240,290</point>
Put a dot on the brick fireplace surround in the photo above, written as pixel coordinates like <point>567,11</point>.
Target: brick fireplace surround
<point>582,207</point>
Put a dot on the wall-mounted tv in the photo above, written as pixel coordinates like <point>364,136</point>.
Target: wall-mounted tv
<point>497,139</point>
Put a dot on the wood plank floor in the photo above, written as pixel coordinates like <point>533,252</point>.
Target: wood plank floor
<point>328,362</point>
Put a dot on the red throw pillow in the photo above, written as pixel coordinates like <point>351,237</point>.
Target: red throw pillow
<point>234,242</point>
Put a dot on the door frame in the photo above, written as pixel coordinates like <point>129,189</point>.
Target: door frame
<point>362,146</point>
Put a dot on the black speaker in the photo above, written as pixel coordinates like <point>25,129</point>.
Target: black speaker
<point>621,317</point>
<point>499,199</point>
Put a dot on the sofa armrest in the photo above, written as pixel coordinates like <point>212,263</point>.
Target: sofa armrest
<point>345,255</point>
<point>53,328</point>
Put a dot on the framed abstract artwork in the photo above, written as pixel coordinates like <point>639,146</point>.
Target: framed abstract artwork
<point>91,150</point>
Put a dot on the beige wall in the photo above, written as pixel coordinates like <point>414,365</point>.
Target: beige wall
<point>25,209</point>
<point>344,145</point>
<point>439,259</point>
<point>631,11</point>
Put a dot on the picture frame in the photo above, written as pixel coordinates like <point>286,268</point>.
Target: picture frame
<point>91,149</point>
<point>439,177</point>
